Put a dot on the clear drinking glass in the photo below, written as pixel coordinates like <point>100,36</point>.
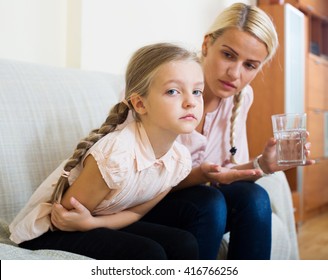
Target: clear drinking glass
<point>290,132</point>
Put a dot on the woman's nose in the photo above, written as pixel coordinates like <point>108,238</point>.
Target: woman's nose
<point>234,71</point>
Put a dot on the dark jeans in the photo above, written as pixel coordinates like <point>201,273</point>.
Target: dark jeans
<point>242,208</point>
<point>139,241</point>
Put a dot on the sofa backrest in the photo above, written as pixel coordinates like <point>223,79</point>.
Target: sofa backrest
<point>44,112</point>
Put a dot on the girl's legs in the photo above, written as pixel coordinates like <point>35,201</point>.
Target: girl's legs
<point>200,210</point>
<point>249,221</point>
<point>131,243</point>
<point>100,243</point>
<point>178,244</point>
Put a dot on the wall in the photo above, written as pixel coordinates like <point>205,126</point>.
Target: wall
<point>99,34</point>
<point>110,33</point>
<point>33,30</point>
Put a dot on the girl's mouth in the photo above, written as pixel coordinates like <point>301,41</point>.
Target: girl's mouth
<point>189,117</point>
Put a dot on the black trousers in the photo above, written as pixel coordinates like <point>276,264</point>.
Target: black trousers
<point>139,241</point>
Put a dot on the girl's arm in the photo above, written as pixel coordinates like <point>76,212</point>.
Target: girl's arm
<point>80,218</point>
<point>89,188</point>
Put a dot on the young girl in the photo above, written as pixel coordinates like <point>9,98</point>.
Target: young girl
<point>120,173</point>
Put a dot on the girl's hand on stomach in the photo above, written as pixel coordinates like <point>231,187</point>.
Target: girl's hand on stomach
<point>77,219</point>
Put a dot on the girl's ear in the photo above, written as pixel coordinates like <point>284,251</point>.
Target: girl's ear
<point>138,104</point>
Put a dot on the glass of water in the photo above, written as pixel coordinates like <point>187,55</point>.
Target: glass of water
<point>290,132</point>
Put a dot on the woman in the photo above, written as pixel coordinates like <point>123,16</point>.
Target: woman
<point>219,195</point>
<point>235,48</point>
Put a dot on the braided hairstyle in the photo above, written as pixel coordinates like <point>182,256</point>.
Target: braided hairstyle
<point>141,69</point>
<point>237,101</point>
<point>256,22</point>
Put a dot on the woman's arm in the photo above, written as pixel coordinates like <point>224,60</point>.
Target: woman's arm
<point>79,217</point>
<point>208,172</point>
<point>268,160</point>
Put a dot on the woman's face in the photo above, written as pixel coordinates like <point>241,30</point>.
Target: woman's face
<point>231,62</point>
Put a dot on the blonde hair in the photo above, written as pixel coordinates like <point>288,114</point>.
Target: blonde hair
<point>138,77</point>
<point>256,22</point>
<point>250,19</point>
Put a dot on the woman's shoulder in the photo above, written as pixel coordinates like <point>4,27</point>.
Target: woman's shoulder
<point>248,95</point>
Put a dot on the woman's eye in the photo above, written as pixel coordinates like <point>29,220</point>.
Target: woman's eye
<point>227,54</point>
<point>197,92</point>
<point>172,92</point>
<point>250,66</point>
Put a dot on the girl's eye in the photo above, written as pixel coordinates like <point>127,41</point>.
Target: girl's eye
<point>197,92</point>
<point>172,92</point>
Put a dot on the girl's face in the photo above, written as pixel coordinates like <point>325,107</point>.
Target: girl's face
<point>231,62</point>
<point>174,103</point>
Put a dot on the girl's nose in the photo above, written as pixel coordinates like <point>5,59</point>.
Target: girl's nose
<point>189,101</point>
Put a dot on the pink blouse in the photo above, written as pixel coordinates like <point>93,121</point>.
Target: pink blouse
<point>214,144</point>
<point>128,165</point>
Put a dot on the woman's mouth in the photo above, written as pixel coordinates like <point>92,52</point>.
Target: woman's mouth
<point>227,85</point>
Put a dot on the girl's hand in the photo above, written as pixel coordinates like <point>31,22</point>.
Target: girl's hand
<point>77,219</point>
<point>268,161</point>
<point>217,174</point>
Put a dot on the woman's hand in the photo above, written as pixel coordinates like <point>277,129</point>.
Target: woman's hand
<point>268,161</point>
<point>77,219</point>
<point>218,174</point>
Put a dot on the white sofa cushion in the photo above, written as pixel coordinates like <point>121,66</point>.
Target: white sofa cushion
<point>41,107</point>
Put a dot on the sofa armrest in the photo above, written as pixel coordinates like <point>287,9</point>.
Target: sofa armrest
<point>282,207</point>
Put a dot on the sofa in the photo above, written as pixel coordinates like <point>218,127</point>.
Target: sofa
<point>44,112</point>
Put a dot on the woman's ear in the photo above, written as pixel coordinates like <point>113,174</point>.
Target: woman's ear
<point>138,104</point>
<point>204,45</point>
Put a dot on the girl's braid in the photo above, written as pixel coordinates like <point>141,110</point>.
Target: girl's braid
<point>117,116</point>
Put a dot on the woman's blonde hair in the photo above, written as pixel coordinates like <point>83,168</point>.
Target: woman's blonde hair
<point>138,77</point>
<point>257,23</point>
<point>250,19</point>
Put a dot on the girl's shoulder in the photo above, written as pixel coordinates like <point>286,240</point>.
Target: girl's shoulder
<point>114,145</point>
<point>122,137</point>
<point>115,156</point>
<point>181,152</point>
